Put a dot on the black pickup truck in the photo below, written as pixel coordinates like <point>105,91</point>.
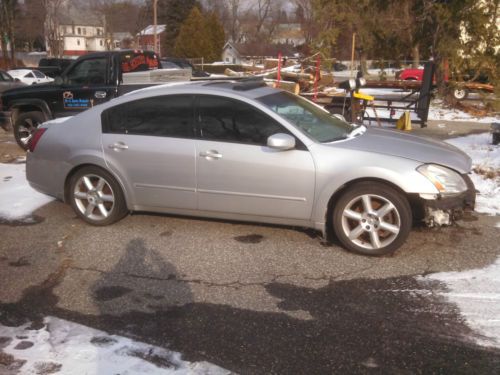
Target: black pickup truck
<point>92,79</point>
<point>53,67</point>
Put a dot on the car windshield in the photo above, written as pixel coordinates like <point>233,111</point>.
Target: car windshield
<point>307,117</point>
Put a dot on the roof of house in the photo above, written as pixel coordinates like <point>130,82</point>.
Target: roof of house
<point>149,30</point>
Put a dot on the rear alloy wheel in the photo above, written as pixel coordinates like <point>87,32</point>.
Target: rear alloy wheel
<point>25,125</point>
<point>460,93</point>
<point>372,219</point>
<point>96,197</point>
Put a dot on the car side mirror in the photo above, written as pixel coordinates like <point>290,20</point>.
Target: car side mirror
<point>58,80</point>
<point>281,141</point>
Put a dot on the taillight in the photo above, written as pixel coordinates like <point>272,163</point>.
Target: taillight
<point>35,138</point>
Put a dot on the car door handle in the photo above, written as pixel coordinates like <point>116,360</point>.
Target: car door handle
<point>100,94</point>
<point>211,154</point>
<point>118,146</point>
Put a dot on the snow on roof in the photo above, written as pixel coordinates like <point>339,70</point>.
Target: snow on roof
<point>150,30</point>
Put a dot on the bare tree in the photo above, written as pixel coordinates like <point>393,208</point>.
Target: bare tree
<point>234,23</point>
<point>52,30</point>
<point>29,24</point>
<point>7,24</point>
<point>306,17</point>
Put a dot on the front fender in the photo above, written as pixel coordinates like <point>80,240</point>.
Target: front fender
<point>343,167</point>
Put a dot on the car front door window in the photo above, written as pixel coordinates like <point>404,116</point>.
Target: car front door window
<point>227,120</point>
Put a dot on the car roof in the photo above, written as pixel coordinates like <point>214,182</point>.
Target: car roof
<point>19,72</point>
<point>249,88</point>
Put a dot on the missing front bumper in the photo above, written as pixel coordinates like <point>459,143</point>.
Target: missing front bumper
<point>445,210</point>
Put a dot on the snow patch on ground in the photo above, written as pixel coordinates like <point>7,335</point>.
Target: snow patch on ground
<point>71,348</point>
<point>17,199</point>
<point>438,112</point>
<point>477,294</point>
<point>486,164</point>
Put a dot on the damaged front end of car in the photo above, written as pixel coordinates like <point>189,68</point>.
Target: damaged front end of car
<point>446,207</point>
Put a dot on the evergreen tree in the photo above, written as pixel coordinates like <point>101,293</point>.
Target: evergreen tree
<point>200,36</point>
<point>193,40</point>
<point>215,30</point>
<point>172,13</point>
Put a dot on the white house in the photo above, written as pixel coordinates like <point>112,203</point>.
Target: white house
<point>79,39</point>
<point>79,29</point>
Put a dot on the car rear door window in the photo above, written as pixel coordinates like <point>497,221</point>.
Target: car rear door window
<point>224,119</point>
<point>163,116</point>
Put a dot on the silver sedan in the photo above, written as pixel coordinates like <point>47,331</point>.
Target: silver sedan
<point>244,151</point>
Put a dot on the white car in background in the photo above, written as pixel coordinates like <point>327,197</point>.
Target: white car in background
<point>30,76</point>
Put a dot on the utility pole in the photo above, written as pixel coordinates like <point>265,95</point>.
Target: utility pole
<point>155,22</point>
<point>352,53</point>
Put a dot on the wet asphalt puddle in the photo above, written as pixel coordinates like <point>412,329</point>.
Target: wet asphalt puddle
<point>395,325</point>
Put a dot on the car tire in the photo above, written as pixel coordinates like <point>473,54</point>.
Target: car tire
<point>460,93</point>
<point>25,125</point>
<point>372,218</point>
<point>96,197</point>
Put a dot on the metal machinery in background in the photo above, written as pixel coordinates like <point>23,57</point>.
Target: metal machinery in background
<point>354,104</point>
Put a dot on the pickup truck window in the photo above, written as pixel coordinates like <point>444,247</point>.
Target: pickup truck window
<point>88,72</point>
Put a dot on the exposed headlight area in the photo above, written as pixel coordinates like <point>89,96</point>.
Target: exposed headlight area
<point>446,180</point>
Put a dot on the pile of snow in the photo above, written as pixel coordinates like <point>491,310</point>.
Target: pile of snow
<point>17,199</point>
<point>64,347</point>
<point>477,294</point>
<point>486,163</point>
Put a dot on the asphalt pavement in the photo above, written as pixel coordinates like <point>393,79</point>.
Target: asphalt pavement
<point>253,299</point>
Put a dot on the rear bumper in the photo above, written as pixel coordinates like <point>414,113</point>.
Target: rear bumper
<point>6,120</point>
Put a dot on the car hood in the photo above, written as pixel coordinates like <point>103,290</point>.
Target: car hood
<point>409,146</point>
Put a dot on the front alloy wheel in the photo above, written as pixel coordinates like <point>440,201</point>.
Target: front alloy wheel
<point>96,196</point>
<point>372,219</point>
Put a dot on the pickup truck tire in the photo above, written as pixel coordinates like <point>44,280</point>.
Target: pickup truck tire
<point>25,125</point>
